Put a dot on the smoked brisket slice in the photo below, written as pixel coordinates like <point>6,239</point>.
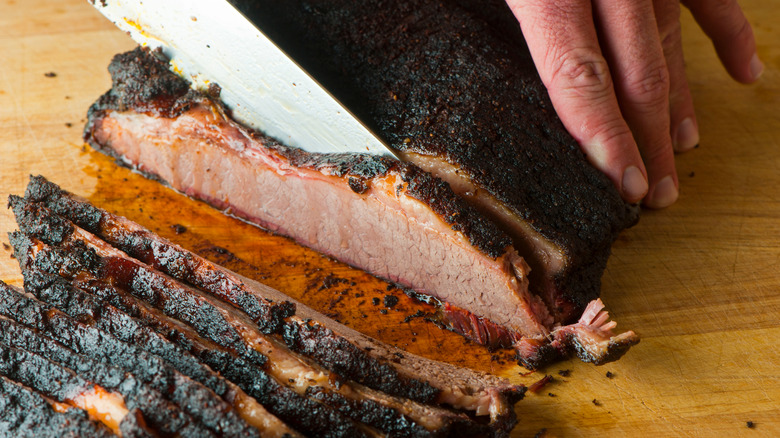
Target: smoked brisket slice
<point>79,305</point>
<point>88,269</point>
<point>387,217</point>
<point>116,358</point>
<point>35,360</point>
<point>340,349</point>
<point>26,413</point>
<point>301,413</point>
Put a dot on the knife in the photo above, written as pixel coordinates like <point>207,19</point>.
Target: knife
<point>211,42</point>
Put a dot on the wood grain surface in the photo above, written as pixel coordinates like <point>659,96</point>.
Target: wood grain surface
<point>699,281</point>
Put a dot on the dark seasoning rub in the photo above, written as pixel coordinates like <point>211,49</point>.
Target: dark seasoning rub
<point>179,361</point>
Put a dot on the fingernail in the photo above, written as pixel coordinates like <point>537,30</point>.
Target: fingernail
<point>664,195</point>
<point>634,184</point>
<point>756,67</point>
<point>687,136</point>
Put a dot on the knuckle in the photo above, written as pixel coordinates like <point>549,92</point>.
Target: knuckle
<point>612,136</point>
<point>658,152</point>
<point>649,86</point>
<point>671,37</point>
<point>721,8</point>
<point>583,72</point>
<point>742,31</point>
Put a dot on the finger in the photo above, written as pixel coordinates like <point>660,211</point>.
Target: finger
<point>730,32</point>
<point>684,127</point>
<point>632,45</point>
<point>564,45</point>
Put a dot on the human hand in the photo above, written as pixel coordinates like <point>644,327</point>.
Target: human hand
<point>616,76</point>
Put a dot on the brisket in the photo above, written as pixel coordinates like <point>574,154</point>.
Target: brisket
<point>58,372</point>
<point>301,413</point>
<point>382,412</point>
<point>26,413</point>
<point>338,348</point>
<point>452,86</point>
<point>81,306</point>
<point>390,218</point>
<point>171,331</point>
<point>84,347</point>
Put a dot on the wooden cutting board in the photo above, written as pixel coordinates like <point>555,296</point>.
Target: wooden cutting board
<point>700,281</point>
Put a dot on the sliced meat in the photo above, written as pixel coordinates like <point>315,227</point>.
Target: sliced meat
<point>345,351</point>
<point>67,377</point>
<point>400,418</point>
<point>121,277</point>
<point>119,358</point>
<point>301,413</point>
<point>81,306</point>
<point>26,413</point>
<point>390,218</point>
<point>65,386</point>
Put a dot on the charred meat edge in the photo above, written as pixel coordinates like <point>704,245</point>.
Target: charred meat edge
<point>109,406</point>
<point>62,374</point>
<point>192,398</point>
<point>79,305</point>
<point>61,384</point>
<point>354,400</point>
<point>298,412</point>
<point>367,360</point>
<point>25,412</point>
<point>101,388</point>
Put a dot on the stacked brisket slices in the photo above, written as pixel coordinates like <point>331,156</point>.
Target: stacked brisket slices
<point>390,218</point>
<point>121,331</point>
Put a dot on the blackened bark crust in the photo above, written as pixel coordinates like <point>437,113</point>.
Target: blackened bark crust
<point>26,413</point>
<point>454,79</point>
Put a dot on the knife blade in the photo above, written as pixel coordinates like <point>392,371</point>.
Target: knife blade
<point>211,42</point>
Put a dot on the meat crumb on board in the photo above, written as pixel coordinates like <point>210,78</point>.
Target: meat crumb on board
<point>537,386</point>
